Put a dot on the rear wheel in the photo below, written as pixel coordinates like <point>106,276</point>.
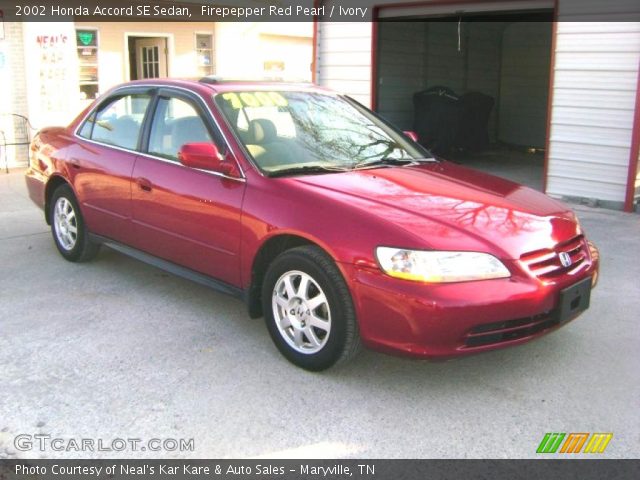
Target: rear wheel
<point>308,309</point>
<point>68,228</point>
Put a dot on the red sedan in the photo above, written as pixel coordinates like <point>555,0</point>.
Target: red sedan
<point>330,223</point>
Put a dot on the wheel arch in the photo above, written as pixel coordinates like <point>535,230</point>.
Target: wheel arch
<point>54,182</point>
<point>268,251</point>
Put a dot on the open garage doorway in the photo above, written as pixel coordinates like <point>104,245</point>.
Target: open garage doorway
<point>474,87</point>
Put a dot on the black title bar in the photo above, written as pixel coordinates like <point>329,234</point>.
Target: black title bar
<point>304,10</point>
<point>185,11</point>
<point>321,469</point>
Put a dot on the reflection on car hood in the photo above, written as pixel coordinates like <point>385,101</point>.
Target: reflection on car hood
<point>449,204</point>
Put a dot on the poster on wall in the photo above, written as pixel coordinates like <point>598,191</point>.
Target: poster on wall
<point>51,72</point>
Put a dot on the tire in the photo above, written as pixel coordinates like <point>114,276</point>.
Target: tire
<point>308,309</point>
<point>68,228</point>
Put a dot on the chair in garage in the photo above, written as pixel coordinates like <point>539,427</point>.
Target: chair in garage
<point>437,118</point>
<point>15,130</point>
<point>473,127</point>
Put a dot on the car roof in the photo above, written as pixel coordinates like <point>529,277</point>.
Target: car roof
<point>222,85</point>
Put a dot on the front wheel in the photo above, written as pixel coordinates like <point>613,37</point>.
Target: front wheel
<point>308,309</point>
<point>68,228</point>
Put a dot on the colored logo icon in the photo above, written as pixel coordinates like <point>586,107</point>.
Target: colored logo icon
<point>573,442</point>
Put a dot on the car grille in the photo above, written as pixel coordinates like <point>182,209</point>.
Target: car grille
<point>497,332</point>
<point>546,265</point>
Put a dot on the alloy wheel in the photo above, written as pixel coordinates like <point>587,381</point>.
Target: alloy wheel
<point>301,312</point>
<point>65,224</point>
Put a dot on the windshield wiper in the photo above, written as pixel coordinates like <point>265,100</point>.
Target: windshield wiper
<point>306,169</point>
<point>389,161</point>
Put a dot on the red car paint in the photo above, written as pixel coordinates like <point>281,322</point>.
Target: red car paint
<point>217,226</point>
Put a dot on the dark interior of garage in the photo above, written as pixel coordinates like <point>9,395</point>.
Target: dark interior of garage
<point>473,87</point>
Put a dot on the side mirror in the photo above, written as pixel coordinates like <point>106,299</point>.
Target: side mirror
<point>412,135</point>
<point>205,156</point>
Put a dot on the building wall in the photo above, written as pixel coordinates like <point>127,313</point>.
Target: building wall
<point>39,68</point>
<point>113,63</point>
<point>244,48</point>
<point>240,48</point>
<point>12,79</point>
<point>596,72</point>
<point>51,72</point>
<point>285,57</point>
<point>13,97</point>
<point>343,60</point>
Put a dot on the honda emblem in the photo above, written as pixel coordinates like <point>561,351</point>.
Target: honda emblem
<point>565,259</point>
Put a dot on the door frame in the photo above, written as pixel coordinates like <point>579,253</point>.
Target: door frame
<point>170,50</point>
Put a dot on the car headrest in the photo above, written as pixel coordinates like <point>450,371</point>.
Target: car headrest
<point>262,131</point>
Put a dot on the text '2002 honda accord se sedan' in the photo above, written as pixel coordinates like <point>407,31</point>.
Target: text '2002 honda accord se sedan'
<point>330,223</point>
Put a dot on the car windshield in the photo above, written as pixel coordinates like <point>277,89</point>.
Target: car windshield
<point>308,132</point>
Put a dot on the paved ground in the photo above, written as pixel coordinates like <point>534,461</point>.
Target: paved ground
<point>513,164</point>
<point>117,349</point>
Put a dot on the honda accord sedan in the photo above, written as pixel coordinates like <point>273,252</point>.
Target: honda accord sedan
<point>324,219</point>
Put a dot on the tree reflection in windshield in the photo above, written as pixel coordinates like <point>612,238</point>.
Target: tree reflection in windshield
<point>328,130</point>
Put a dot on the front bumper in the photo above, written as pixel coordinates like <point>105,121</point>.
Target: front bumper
<point>441,321</point>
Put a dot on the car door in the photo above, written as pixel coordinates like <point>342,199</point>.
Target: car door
<point>187,216</point>
<point>102,161</point>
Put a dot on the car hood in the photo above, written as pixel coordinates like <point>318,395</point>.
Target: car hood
<point>447,206</point>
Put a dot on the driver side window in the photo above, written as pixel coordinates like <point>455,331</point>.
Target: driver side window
<point>176,122</point>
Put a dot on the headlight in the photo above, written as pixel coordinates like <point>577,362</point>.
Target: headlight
<point>438,266</point>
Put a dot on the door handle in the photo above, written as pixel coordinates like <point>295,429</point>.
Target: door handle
<point>75,163</point>
<point>144,184</point>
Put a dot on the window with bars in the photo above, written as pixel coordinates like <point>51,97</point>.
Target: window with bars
<point>150,62</point>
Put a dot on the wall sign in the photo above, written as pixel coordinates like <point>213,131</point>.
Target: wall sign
<point>51,72</point>
<point>86,37</point>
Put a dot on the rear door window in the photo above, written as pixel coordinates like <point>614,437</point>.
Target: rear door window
<point>118,122</point>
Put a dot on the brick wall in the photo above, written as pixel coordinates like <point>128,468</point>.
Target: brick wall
<point>13,95</point>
